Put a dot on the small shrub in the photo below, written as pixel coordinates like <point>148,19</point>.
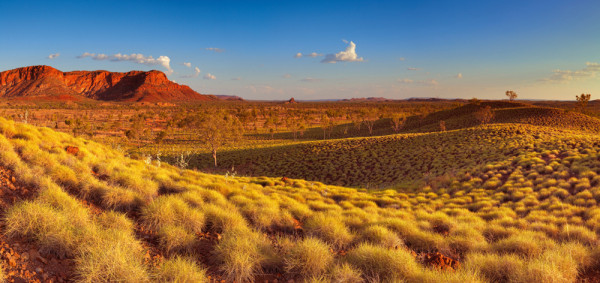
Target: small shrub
<point>239,254</point>
<point>111,257</point>
<point>380,235</point>
<point>381,264</point>
<point>328,228</point>
<point>345,273</point>
<point>496,268</point>
<point>309,257</point>
<point>180,270</point>
<point>526,244</point>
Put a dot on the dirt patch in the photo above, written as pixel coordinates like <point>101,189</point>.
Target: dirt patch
<point>20,259</point>
<point>440,262</point>
<point>22,262</point>
<point>10,190</point>
<point>72,150</point>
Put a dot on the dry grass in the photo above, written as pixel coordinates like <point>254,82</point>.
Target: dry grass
<point>310,257</point>
<point>510,218</point>
<point>180,270</point>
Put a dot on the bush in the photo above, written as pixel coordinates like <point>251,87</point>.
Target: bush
<point>526,244</point>
<point>172,211</point>
<point>176,239</point>
<point>415,238</point>
<point>381,264</point>
<point>328,228</point>
<point>380,235</point>
<point>309,257</point>
<point>113,256</point>
<point>52,229</point>
<point>345,273</point>
<point>239,254</point>
<point>578,234</point>
<point>496,268</point>
<point>180,270</point>
<point>222,220</point>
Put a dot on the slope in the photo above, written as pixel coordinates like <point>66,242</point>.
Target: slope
<point>529,217</point>
<point>407,160</point>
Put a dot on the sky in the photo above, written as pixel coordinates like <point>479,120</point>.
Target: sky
<point>309,50</point>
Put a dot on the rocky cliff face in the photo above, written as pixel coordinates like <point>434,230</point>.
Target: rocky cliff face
<point>45,81</point>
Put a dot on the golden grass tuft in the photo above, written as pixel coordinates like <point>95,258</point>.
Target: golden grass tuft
<point>329,228</point>
<point>180,270</point>
<point>310,257</point>
<point>239,255</point>
<point>379,264</point>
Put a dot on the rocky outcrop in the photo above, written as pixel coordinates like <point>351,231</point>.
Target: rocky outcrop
<point>45,81</point>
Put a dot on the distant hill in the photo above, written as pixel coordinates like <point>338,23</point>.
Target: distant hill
<point>47,83</point>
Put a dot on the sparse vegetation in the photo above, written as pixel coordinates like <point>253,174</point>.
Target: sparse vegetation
<point>510,201</point>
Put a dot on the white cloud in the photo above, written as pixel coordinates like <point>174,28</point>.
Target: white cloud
<point>406,81</point>
<point>412,69</point>
<point>236,79</point>
<point>53,56</point>
<point>348,55</point>
<point>287,76</point>
<point>459,76</point>
<point>136,58</point>
<point>313,55</point>
<point>187,64</point>
<point>566,76</point>
<point>209,76</point>
<point>218,50</point>
<point>310,80</point>
<point>401,58</point>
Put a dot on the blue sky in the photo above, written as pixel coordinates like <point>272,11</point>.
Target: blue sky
<point>447,49</point>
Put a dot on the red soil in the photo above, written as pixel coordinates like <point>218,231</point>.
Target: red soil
<point>440,262</point>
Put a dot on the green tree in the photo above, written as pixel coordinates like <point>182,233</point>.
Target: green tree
<point>218,129</point>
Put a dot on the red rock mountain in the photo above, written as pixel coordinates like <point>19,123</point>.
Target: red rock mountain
<point>48,83</point>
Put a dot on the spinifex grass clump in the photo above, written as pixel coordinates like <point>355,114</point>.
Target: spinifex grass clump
<point>502,213</point>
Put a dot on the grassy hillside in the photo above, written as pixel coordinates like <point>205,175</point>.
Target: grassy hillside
<point>527,213</point>
<point>406,160</point>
